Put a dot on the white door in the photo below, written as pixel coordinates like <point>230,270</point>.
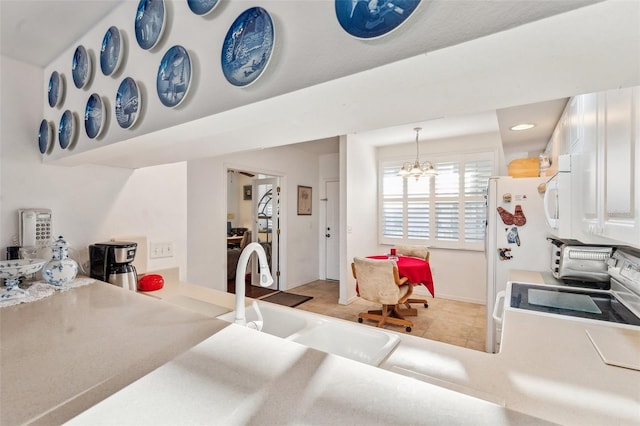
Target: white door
<point>266,225</point>
<point>332,231</point>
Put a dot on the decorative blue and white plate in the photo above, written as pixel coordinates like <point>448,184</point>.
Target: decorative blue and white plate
<point>128,103</point>
<point>149,22</point>
<point>45,136</point>
<point>202,7</point>
<point>174,76</point>
<point>248,46</point>
<point>81,67</point>
<point>67,129</point>
<point>56,89</point>
<point>110,51</point>
<point>94,116</point>
<point>369,19</point>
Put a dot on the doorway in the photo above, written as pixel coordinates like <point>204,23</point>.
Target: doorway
<point>266,226</point>
<point>253,213</point>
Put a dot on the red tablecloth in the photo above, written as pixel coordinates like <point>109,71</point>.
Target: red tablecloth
<point>416,270</point>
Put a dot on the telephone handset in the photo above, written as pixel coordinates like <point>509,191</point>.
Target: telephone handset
<point>35,227</point>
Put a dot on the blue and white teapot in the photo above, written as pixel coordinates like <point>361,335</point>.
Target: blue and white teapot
<point>61,269</point>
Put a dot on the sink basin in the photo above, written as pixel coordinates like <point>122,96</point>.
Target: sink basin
<point>278,321</point>
<point>358,342</point>
<point>350,340</point>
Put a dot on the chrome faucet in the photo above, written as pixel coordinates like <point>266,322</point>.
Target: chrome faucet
<point>265,281</point>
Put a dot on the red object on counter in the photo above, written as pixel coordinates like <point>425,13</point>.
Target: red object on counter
<point>393,252</point>
<point>150,282</point>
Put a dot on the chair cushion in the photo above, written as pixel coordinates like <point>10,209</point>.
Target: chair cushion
<point>376,282</point>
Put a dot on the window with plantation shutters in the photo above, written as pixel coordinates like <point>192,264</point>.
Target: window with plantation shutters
<point>392,203</point>
<point>448,210</point>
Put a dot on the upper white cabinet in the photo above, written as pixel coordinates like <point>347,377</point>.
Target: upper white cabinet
<point>585,188</point>
<point>572,124</point>
<point>604,167</point>
<point>621,220</point>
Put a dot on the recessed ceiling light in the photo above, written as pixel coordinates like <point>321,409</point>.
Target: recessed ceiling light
<point>522,126</point>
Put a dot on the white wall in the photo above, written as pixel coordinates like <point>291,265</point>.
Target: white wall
<point>90,203</point>
<point>361,204</point>
<point>207,215</point>
<point>485,142</point>
<point>301,58</point>
<point>589,49</point>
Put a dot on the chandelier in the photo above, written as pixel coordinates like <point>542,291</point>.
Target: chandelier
<point>416,169</point>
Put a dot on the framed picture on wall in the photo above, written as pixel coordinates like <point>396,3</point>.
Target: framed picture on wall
<point>304,200</point>
<point>246,192</point>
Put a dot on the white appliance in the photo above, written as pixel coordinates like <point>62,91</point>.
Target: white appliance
<point>557,200</point>
<point>616,308</point>
<point>529,250</point>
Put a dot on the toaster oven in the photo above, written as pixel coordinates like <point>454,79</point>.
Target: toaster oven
<point>574,263</point>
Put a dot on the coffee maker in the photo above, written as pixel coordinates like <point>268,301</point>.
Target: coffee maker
<point>111,262</point>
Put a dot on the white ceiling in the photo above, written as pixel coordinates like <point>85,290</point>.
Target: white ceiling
<point>27,27</point>
<point>38,31</point>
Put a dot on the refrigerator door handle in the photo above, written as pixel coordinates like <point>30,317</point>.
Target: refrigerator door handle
<point>500,296</point>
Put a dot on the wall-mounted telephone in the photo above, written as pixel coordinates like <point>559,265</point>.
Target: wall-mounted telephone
<point>35,227</point>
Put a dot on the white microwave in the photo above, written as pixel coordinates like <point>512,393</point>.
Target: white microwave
<point>557,200</point>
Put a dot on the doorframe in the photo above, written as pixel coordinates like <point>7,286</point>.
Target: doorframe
<point>283,210</point>
<point>276,183</point>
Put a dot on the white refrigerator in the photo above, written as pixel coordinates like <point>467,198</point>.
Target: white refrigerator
<point>512,242</point>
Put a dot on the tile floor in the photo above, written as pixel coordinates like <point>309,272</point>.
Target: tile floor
<point>449,321</point>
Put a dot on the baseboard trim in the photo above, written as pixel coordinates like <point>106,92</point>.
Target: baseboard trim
<point>422,291</point>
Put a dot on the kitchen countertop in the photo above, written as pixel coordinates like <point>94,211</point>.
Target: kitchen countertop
<point>536,349</point>
<point>62,354</point>
<point>547,369</point>
<point>240,376</point>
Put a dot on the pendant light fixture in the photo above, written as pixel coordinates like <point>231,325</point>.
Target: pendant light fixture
<point>416,169</point>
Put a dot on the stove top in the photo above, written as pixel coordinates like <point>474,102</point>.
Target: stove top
<point>574,302</point>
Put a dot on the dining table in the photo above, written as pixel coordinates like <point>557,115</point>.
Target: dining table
<point>415,269</point>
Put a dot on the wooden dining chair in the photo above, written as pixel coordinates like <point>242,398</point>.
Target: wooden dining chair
<point>379,282</point>
<point>419,252</point>
<point>246,239</point>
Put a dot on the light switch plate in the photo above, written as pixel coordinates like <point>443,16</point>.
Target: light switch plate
<point>159,250</point>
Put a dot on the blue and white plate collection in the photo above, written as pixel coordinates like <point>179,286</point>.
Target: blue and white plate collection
<point>94,116</point>
<point>246,52</point>
<point>174,76</point>
<point>111,51</point>
<point>247,47</point>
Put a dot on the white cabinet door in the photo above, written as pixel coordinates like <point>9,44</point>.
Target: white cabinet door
<point>620,210</point>
<point>587,186</point>
<point>605,155</point>
<point>573,124</point>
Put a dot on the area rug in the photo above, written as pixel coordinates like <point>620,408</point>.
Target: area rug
<point>287,299</point>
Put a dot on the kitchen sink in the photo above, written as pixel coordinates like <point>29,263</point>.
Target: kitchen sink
<point>278,321</point>
<point>350,340</point>
<point>354,341</point>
